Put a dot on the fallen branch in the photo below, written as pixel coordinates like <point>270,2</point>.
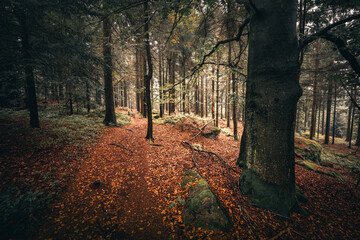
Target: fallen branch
<point>245,215</point>
<point>201,130</point>
<point>120,146</point>
<point>194,156</point>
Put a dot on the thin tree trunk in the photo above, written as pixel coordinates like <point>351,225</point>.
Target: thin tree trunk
<point>213,95</point>
<point>149,73</point>
<point>206,96</point>
<point>172,83</point>
<point>202,96</point>
<point>137,73</point>
<point>29,72</point>
<point>357,143</point>
<point>314,107</point>
<point>334,117</point>
<point>234,89</point>
<point>349,120</point>
<point>161,84</point>
<point>70,99</point>
<point>318,122</point>
<point>328,113</point>
<point>217,88</point>
<point>88,96</point>
<point>110,117</point>
<point>352,119</point>
<point>323,117</point>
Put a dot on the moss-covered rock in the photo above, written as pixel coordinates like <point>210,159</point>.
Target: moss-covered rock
<point>212,134</point>
<point>308,150</point>
<point>202,208</point>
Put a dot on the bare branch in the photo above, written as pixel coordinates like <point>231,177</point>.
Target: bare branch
<point>323,31</point>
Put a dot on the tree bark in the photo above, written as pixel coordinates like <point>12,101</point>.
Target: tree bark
<point>217,88</point>
<point>29,72</point>
<point>234,103</point>
<point>161,85</point>
<point>172,83</point>
<point>110,117</point>
<point>352,119</point>
<point>314,107</point>
<point>334,118</point>
<point>349,121</point>
<point>272,92</point>
<point>149,73</point>
<point>328,113</point>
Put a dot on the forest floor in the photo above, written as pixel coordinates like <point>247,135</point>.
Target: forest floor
<point>120,186</point>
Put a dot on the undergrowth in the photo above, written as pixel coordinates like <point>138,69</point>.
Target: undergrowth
<point>24,199</point>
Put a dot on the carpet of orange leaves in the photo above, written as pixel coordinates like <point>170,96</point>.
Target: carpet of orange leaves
<point>125,192</point>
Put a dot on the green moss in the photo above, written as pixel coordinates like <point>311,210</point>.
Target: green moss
<point>307,165</point>
<point>311,152</point>
<point>277,198</point>
<point>316,168</point>
<point>202,208</point>
<point>189,176</point>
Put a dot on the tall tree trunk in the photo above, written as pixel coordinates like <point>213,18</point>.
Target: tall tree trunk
<point>137,73</point>
<point>29,72</point>
<point>143,84</point>
<point>172,83</point>
<point>349,120</point>
<point>217,88</point>
<point>70,99</point>
<point>184,85</point>
<point>352,118</point>
<point>357,143</point>
<point>161,85</point>
<point>149,73</point>
<point>328,113</point>
<point>334,117</point>
<point>234,102</point>
<point>323,117</point>
<point>197,97</point>
<point>213,95</point>
<point>318,122</point>
<point>306,115</point>
<point>272,91</point>
<point>314,107</point>
<point>125,94</point>
<point>202,96</point>
<point>206,96</point>
<point>110,117</point>
<point>88,96</point>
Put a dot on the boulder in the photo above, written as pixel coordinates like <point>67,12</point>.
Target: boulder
<point>202,208</point>
<point>308,150</point>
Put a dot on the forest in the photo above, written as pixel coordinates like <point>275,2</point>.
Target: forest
<point>169,119</point>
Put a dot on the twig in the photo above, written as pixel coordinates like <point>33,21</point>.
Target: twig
<point>245,215</point>
<point>201,130</point>
<point>194,156</point>
<point>120,146</point>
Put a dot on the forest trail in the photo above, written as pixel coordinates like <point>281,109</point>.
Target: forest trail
<point>122,187</point>
<point>110,196</point>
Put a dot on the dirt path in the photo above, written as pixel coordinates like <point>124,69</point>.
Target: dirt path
<point>136,186</point>
<point>113,194</point>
